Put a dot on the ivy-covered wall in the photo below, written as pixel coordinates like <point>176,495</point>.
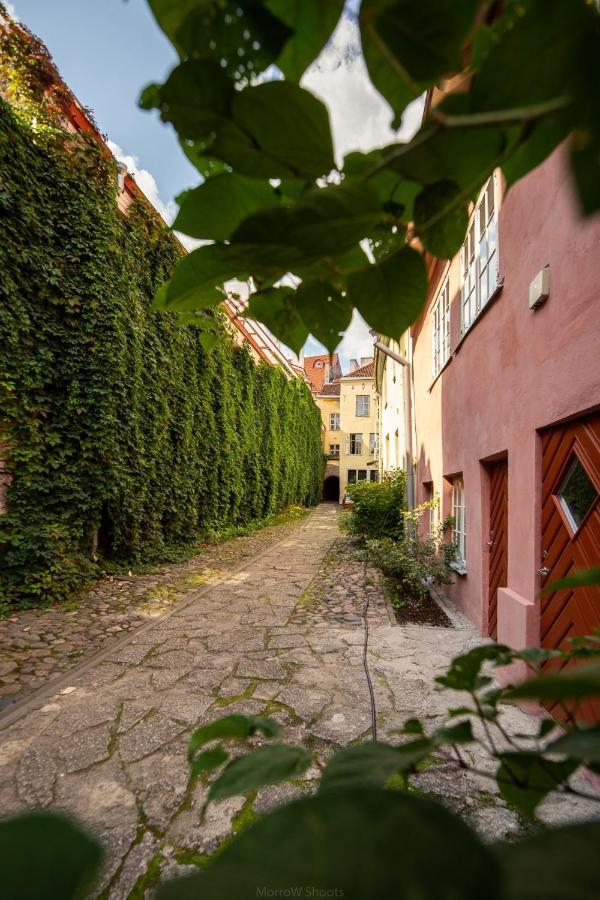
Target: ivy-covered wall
<point>115,421</point>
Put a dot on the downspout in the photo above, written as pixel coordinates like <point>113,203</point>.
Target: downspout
<point>410,475</point>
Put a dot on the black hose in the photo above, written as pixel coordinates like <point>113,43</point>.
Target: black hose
<point>365,663</point>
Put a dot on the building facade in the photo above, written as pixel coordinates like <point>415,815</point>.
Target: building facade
<point>506,388</point>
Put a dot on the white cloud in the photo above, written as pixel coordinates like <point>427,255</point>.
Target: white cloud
<point>356,342</point>
<point>11,10</point>
<point>360,117</point>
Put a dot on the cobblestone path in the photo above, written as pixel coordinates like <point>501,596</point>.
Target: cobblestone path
<point>107,744</point>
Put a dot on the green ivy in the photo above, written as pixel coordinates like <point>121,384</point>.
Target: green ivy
<point>115,421</point>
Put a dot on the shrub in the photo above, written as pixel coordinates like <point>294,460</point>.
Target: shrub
<point>378,507</point>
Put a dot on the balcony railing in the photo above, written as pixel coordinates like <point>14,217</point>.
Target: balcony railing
<point>333,454</point>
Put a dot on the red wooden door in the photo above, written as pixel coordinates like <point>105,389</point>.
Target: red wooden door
<point>570,532</point>
<point>498,541</point>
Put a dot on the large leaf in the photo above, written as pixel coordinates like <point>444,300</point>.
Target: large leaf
<point>44,856</point>
<point>370,765</point>
<point>218,29</point>
<point>441,218</point>
<point>208,760</point>
<point>524,778</point>
<point>312,22</point>
<point>557,864</point>
<point>276,308</point>
<point>570,684</point>
<point>349,842</point>
<point>231,728</point>
<point>583,744</point>
<point>516,73</point>
<point>215,209</point>
<point>324,222</point>
<point>409,46</point>
<point>196,98</point>
<point>289,125</point>
<point>198,279</point>
<point>324,311</point>
<point>390,294</point>
<point>265,765</point>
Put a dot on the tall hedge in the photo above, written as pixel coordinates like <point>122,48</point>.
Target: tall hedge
<point>116,423</point>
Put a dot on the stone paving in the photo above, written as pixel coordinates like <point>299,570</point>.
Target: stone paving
<point>107,744</point>
<point>38,644</point>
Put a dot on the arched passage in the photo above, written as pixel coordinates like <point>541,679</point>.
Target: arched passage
<point>331,488</point>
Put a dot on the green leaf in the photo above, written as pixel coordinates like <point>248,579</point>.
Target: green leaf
<point>195,152</point>
<point>323,222</point>
<point>524,778</point>
<point>215,209</point>
<point>410,46</point>
<point>583,578</point>
<point>463,674</point>
<point>44,856</point>
<point>349,842</point>
<point>441,218</point>
<point>324,311</point>
<point>390,294</point>
<point>312,22</point>
<point>461,733</point>
<point>556,864</point>
<point>196,98</point>
<point>266,765</point>
<point>465,156</point>
<point>540,141</point>
<point>584,744</point>
<point>276,308</point>
<point>231,728</point>
<point>289,125</point>
<point>573,683</point>
<point>370,765</point>
<point>208,760</point>
<point>198,279</point>
<point>516,73</point>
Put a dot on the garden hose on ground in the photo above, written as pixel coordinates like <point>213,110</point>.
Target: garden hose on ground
<point>365,663</point>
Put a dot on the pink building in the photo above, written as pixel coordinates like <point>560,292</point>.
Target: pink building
<point>506,373</point>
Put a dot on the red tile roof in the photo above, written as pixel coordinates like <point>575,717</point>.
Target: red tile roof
<point>364,372</point>
<point>316,367</point>
<point>330,390</point>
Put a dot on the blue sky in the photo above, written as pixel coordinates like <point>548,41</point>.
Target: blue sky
<point>108,50</point>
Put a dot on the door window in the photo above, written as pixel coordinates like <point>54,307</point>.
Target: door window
<point>576,493</point>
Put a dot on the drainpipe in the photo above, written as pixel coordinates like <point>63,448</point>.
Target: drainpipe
<point>410,476</point>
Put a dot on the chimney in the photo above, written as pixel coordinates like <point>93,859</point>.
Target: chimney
<point>353,365</point>
<point>365,360</point>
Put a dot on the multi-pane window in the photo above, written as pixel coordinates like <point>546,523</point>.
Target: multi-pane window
<point>334,421</point>
<point>334,451</point>
<point>479,257</point>
<point>355,475</point>
<point>362,404</point>
<point>459,529</point>
<point>373,444</point>
<point>355,444</point>
<point>441,329</point>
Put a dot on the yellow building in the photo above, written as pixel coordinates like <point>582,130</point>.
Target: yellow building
<point>358,435</point>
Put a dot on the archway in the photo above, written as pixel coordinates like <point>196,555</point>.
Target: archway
<point>331,488</point>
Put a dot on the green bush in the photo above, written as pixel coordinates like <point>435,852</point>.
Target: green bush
<point>412,562</point>
<point>378,507</point>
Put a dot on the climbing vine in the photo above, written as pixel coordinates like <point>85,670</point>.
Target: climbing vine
<point>120,433</point>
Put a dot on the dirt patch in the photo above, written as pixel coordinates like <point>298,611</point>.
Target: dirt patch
<point>418,610</point>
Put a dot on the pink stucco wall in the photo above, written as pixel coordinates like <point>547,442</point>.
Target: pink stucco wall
<point>516,371</point>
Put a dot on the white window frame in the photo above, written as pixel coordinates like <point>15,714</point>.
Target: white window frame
<point>373,475</point>
<point>355,444</point>
<point>373,444</point>
<point>459,528</point>
<point>334,421</point>
<point>441,328</point>
<point>479,269</point>
<point>365,404</point>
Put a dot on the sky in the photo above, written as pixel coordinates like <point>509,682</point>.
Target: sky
<point>108,50</point>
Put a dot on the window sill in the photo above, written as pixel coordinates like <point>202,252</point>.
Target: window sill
<point>494,296</point>
<point>458,566</point>
<point>446,364</point>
